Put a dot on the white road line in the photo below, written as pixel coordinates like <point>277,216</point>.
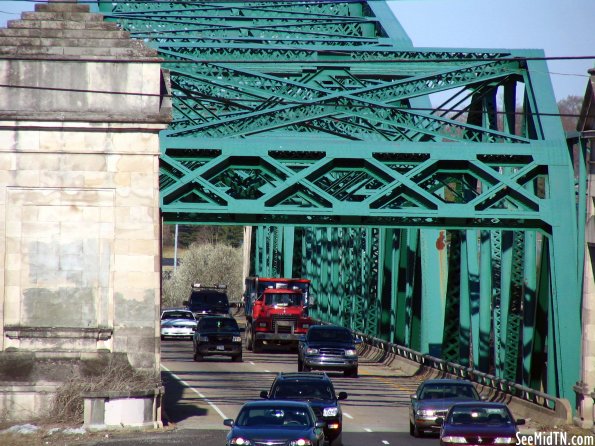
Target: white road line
<point>347,415</point>
<point>195,391</point>
<point>267,371</point>
<point>367,430</point>
<point>251,363</point>
<point>385,442</point>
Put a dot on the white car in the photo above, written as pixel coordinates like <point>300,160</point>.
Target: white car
<point>177,323</point>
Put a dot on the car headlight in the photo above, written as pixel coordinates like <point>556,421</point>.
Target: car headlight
<point>311,351</point>
<point>236,339</point>
<point>300,442</point>
<point>505,440</point>
<point>203,339</point>
<point>330,411</point>
<point>453,439</point>
<point>350,352</point>
<point>425,413</point>
<point>240,441</point>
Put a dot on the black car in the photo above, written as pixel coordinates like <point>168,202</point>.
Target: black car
<point>318,390</point>
<point>328,347</point>
<point>208,300</point>
<point>217,335</point>
<point>432,400</point>
<point>280,423</point>
<point>478,423</point>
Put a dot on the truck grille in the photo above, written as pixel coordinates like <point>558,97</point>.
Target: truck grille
<point>332,351</point>
<point>284,323</point>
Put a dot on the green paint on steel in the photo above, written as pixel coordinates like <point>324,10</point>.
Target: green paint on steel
<point>313,114</point>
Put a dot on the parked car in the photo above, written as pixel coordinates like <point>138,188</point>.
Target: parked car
<point>282,423</point>
<point>328,347</point>
<point>208,300</point>
<point>317,389</point>
<point>177,323</point>
<point>480,423</point>
<point>432,400</point>
<point>217,335</point>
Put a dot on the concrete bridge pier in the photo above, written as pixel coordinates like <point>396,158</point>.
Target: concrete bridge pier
<point>80,112</point>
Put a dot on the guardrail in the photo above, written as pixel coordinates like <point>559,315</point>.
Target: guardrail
<point>543,400</point>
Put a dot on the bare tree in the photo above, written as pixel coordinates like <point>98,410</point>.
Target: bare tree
<point>207,264</point>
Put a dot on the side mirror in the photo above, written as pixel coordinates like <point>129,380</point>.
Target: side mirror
<point>233,305</point>
<point>413,397</point>
<point>228,422</point>
<point>264,394</point>
<point>320,424</point>
<point>342,396</point>
<point>520,422</point>
<point>357,341</point>
<point>186,303</point>
<point>439,421</point>
<point>302,338</point>
<point>483,398</point>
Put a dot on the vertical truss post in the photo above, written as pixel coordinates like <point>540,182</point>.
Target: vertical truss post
<point>465,302</point>
<point>473,270</point>
<point>392,267</point>
<point>433,264</point>
<point>496,260</point>
<point>451,340</point>
<point>336,294</point>
<point>288,243</point>
<point>539,374</point>
<point>529,304</point>
<point>485,301</point>
<point>505,277</point>
<point>410,269</point>
<point>358,321</point>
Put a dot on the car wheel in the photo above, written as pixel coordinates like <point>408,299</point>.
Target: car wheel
<point>300,365</point>
<point>416,432</point>
<point>352,373</point>
<point>249,337</point>
<point>306,368</point>
<point>337,441</point>
<point>197,356</point>
<point>237,358</point>
<point>411,429</point>
<point>163,338</point>
<point>256,346</point>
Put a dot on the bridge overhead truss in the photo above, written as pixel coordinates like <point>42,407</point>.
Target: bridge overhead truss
<point>428,193</point>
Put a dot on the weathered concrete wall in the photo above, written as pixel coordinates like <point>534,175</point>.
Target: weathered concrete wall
<point>79,195</point>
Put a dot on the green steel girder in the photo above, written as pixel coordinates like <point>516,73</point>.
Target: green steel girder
<point>312,121</point>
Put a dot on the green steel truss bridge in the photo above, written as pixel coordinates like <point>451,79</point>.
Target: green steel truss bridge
<point>428,193</point>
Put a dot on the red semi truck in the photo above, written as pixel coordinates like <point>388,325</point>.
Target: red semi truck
<point>276,311</point>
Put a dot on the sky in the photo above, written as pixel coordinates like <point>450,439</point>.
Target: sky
<point>560,27</point>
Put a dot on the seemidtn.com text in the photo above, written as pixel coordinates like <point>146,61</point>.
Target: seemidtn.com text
<point>554,439</point>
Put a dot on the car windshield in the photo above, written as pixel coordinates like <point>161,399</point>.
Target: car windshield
<point>267,416</point>
<point>303,390</point>
<point>283,299</point>
<point>479,415</point>
<point>177,315</point>
<point>338,335</point>
<point>448,391</point>
<point>218,324</point>
<point>208,297</point>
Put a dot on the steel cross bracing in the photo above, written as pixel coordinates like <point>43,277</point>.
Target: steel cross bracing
<point>377,163</point>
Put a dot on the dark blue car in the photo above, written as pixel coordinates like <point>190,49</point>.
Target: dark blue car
<point>479,423</point>
<point>280,423</point>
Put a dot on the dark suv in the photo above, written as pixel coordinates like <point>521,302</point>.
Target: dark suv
<point>328,347</point>
<point>318,390</point>
<point>217,335</point>
<point>206,300</point>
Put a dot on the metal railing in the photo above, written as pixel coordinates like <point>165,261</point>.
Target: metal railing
<point>499,384</point>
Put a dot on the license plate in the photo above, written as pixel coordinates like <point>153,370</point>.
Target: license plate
<point>220,347</point>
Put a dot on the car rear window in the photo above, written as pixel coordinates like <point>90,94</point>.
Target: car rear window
<point>208,297</point>
<point>303,389</point>
<point>177,315</point>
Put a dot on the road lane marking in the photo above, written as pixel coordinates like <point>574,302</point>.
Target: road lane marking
<point>251,363</point>
<point>347,415</point>
<point>180,380</point>
<point>267,371</point>
<point>385,442</point>
<point>367,429</point>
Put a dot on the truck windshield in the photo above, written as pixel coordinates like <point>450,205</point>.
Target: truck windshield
<point>283,299</point>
